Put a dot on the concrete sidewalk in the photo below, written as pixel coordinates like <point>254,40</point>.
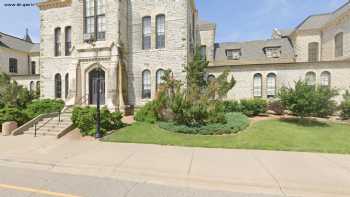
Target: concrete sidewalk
<point>280,173</point>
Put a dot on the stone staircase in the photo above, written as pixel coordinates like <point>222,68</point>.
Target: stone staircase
<point>54,126</point>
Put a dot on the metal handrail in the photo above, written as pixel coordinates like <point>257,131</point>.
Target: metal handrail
<point>82,101</point>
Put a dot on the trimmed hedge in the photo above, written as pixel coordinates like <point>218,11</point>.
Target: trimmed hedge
<point>345,109</point>
<point>44,106</point>
<point>235,122</point>
<point>84,118</point>
<point>249,107</point>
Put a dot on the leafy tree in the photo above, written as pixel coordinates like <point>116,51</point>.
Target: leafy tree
<point>305,100</point>
<point>345,106</point>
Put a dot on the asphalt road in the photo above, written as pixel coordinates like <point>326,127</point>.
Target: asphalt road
<point>18,182</point>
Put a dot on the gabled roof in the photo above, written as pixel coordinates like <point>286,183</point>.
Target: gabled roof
<point>253,51</point>
<point>18,44</point>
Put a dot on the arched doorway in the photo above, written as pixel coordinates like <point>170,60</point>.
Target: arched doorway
<point>93,81</point>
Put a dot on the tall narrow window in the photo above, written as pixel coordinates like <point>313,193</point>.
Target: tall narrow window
<point>38,88</point>
<point>271,85</point>
<point>325,79</point>
<point>203,52</point>
<point>68,39</point>
<point>310,78</point>
<point>257,85</point>
<point>31,87</point>
<point>313,52</point>
<point>146,84</point>
<point>147,32</point>
<point>58,41</point>
<point>159,78</point>
<point>66,85</point>
<point>33,68</point>
<point>339,45</point>
<point>58,86</point>
<point>160,20</point>
<point>13,65</point>
<point>95,19</point>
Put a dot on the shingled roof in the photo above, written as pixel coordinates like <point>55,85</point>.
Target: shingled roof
<point>252,52</point>
<point>18,44</point>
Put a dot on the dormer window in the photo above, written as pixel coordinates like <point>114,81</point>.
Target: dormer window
<point>273,52</point>
<point>233,54</point>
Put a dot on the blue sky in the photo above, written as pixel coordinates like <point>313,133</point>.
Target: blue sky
<point>237,20</point>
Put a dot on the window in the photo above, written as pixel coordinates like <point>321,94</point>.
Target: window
<point>33,68</point>
<point>233,54</point>
<point>310,78</point>
<point>211,78</point>
<point>13,65</point>
<point>271,85</point>
<point>58,41</point>
<point>257,85</point>
<point>58,86</point>
<point>273,52</point>
<point>339,45</point>
<point>313,52</point>
<point>159,78</point>
<point>146,84</point>
<point>66,87</point>
<point>160,39</point>
<point>203,52</point>
<point>38,88</point>
<point>95,19</point>
<point>31,87</point>
<point>147,32</point>
<point>68,43</point>
<point>325,79</point>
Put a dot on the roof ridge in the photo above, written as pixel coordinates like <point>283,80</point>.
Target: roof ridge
<point>18,38</point>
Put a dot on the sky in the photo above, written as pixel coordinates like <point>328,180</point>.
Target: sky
<point>237,20</point>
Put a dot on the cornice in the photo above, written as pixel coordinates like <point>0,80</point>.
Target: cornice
<point>49,4</point>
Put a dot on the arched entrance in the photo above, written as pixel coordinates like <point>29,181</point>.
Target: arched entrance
<point>93,82</point>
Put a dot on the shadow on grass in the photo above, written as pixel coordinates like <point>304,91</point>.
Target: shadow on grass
<point>306,122</point>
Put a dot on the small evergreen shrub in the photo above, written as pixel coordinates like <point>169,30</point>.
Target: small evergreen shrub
<point>253,107</point>
<point>235,122</point>
<point>148,113</point>
<point>84,118</point>
<point>44,106</point>
<point>13,114</point>
<point>345,109</point>
<point>232,106</point>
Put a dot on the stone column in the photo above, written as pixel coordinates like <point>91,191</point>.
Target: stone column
<point>78,85</point>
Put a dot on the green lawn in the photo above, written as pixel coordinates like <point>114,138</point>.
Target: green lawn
<point>265,135</point>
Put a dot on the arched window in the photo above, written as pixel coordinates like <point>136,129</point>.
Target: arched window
<point>31,87</point>
<point>310,78</point>
<point>210,78</point>
<point>146,84</point>
<point>68,41</point>
<point>57,41</point>
<point>325,79</point>
<point>271,85</point>
<point>257,85</point>
<point>159,81</point>
<point>313,52</point>
<point>146,32</point>
<point>339,44</point>
<point>160,29</point>
<point>58,86</point>
<point>66,85</point>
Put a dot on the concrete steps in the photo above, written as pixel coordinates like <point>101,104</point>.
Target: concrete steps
<point>51,126</point>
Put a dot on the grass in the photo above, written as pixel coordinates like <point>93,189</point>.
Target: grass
<point>286,135</point>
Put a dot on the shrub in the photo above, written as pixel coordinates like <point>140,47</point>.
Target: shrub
<point>253,107</point>
<point>44,106</point>
<point>13,114</point>
<point>305,100</point>
<point>148,113</point>
<point>85,120</point>
<point>345,109</point>
<point>277,107</point>
<point>232,106</point>
<point>235,122</point>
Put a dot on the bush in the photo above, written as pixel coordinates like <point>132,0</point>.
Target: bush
<point>85,120</point>
<point>235,122</point>
<point>345,109</point>
<point>254,107</point>
<point>44,106</point>
<point>13,114</point>
<point>277,107</point>
<point>305,100</point>
<point>232,106</point>
<point>148,113</point>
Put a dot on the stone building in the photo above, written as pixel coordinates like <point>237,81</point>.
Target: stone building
<point>19,58</point>
<point>136,40</point>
